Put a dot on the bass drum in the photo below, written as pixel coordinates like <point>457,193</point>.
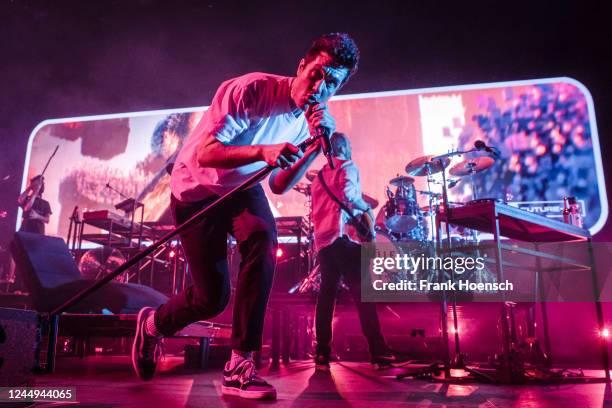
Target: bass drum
<point>387,246</point>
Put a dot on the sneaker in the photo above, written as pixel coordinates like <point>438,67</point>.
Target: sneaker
<point>383,361</point>
<point>243,381</point>
<point>322,363</point>
<point>146,350</point>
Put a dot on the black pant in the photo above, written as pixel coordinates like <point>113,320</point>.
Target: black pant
<point>248,218</point>
<point>342,258</point>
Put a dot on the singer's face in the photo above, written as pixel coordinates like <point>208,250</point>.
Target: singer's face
<point>317,81</point>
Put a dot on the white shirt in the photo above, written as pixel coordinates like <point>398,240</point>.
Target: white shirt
<point>254,109</point>
<point>330,222</point>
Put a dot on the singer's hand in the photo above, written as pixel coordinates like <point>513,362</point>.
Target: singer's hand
<point>318,116</point>
<point>314,148</point>
<point>282,155</point>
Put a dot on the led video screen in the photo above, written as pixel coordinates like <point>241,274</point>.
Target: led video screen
<point>544,130</point>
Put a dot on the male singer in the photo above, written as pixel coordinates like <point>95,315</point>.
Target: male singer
<point>253,121</point>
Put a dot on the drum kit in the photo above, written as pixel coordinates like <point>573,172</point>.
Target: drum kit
<point>401,217</point>
<point>401,220</point>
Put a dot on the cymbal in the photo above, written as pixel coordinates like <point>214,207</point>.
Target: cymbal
<point>372,202</point>
<point>471,166</point>
<point>311,174</point>
<point>401,181</point>
<point>423,166</point>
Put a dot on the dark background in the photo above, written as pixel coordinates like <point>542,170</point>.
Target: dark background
<point>74,58</point>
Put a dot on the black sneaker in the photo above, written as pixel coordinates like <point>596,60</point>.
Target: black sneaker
<point>146,350</point>
<point>243,381</point>
<point>383,361</point>
<point>322,363</point>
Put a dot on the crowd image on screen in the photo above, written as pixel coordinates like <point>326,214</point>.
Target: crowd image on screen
<point>545,142</point>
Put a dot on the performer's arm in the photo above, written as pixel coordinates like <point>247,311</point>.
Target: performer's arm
<point>349,177</point>
<point>23,197</point>
<point>26,199</point>
<point>213,153</point>
<point>283,180</point>
<point>318,117</point>
<point>228,117</point>
<point>34,215</point>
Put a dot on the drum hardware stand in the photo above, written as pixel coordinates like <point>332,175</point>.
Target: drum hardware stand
<point>178,255</point>
<point>310,249</point>
<point>73,230</point>
<point>458,361</point>
<point>310,252</point>
<point>432,199</point>
<point>433,368</point>
<point>51,320</point>
<point>474,188</point>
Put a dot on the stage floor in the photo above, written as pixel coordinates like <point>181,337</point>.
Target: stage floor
<point>103,381</point>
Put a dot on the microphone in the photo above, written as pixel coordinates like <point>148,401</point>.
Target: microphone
<point>480,145</point>
<point>324,135</point>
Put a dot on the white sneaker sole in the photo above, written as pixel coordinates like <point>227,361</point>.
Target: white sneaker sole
<point>248,394</point>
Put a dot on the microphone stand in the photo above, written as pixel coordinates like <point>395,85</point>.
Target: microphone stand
<point>53,316</point>
<point>458,361</point>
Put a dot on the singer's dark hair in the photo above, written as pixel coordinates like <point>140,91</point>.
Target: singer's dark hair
<point>340,46</point>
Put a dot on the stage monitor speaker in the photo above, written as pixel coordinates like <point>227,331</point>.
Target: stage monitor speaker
<point>52,277</point>
<point>19,347</point>
<point>43,262</point>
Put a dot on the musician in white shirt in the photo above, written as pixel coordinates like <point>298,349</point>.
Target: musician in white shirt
<point>339,252</point>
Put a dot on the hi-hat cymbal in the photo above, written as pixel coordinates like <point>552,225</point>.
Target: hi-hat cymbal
<point>372,202</point>
<point>471,166</point>
<point>311,174</point>
<point>400,181</point>
<point>423,166</point>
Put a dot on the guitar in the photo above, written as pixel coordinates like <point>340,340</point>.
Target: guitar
<point>364,225</point>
